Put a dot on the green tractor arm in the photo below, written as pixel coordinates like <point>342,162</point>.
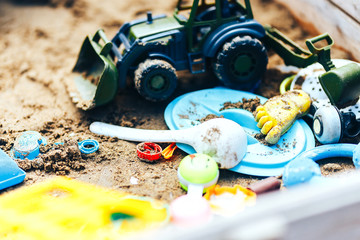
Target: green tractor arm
<point>341,84</point>
<point>289,51</point>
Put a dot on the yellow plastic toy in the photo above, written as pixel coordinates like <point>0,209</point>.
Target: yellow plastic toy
<point>228,201</point>
<point>68,209</point>
<point>277,115</point>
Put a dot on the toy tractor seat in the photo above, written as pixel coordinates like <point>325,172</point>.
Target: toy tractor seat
<point>227,10</point>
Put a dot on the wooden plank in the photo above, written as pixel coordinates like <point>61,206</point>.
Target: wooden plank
<point>340,18</point>
<point>325,211</point>
<point>352,8</point>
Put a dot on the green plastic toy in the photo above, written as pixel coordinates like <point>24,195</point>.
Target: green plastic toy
<point>95,75</point>
<point>198,169</point>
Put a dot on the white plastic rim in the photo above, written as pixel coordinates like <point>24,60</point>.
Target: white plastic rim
<point>187,183</point>
<point>308,79</point>
<point>327,125</point>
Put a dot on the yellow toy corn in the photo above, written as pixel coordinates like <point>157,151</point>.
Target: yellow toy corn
<point>278,113</point>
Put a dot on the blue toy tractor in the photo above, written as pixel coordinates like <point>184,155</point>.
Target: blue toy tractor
<point>201,34</point>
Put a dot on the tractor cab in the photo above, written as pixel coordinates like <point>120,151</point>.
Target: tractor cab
<point>200,17</point>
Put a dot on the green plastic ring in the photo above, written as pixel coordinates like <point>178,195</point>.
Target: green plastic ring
<point>285,84</point>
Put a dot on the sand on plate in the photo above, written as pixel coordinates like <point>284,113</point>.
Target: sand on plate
<point>39,44</point>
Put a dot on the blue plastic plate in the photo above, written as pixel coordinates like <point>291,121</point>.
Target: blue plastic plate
<point>10,173</point>
<point>260,160</point>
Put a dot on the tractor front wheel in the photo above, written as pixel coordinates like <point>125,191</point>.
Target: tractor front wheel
<point>155,79</point>
<point>241,63</point>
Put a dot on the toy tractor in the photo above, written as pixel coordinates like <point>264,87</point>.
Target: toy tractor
<point>220,34</point>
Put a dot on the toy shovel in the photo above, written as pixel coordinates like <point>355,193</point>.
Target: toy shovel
<point>168,151</point>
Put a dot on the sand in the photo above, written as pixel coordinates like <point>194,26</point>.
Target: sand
<point>39,44</point>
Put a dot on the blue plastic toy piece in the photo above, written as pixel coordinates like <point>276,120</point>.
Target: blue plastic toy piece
<point>88,146</point>
<point>300,170</point>
<point>356,156</point>
<point>10,173</point>
<point>305,169</point>
<point>332,150</point>
<point>260,160</point>
<point>27,145</point>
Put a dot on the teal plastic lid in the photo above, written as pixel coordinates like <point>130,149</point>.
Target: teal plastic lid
<point>260,160</point>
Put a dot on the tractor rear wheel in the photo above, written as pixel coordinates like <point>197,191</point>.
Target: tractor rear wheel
<point>155,79</point>
<point>241,63</point>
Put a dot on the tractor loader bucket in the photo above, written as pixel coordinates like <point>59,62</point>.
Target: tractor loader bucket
<point>341,84</point>
<point>95,77</point>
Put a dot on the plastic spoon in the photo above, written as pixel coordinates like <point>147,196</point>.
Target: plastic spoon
<point>222,139</point>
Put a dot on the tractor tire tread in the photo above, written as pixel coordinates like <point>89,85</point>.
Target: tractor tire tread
<point>146,68</point>
<point>232,45</point>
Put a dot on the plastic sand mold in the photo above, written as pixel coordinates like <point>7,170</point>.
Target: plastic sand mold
<point>68,209</point>
<point>27,145</point>
<point>148,151</point>
<point>228,201</point>
<point>260,160</point>
<point>10,173</point>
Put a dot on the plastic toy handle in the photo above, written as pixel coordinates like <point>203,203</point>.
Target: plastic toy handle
<point>168,151</point>
<point>142,135</point>
<point>334,150</point>
<point>324,52</point>
<point>329,151</point>
<point>325,36</point>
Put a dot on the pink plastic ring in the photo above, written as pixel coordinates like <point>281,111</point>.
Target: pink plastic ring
<point>148,151</point>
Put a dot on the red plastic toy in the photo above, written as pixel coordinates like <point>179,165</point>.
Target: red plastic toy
<point>148,151</point>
